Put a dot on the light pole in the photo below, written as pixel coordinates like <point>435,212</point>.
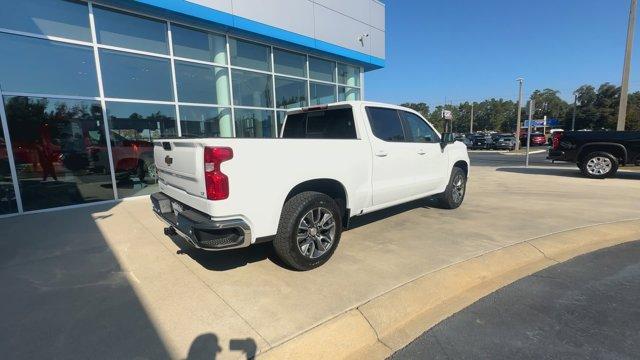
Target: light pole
<point>622,111</point>
<point>520,81</point>
<point>531,107</point>
<point>471,124</point>
<point>573,118</point>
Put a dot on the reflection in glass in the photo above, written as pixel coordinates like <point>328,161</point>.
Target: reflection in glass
<point>130,31</point>
<point>322,93</point>
<point>348,94</point>
<point>280,115</point>
<point>348,75</point>
<point>290,63</point>
<point>67,19</point>
<point>290,93</point>
<point>203,84</point>
<point>131,76</point>
<point>251,88</point>
<point>8,203</point>
<point>199,45</point>
<point>249,55</point>
<point>203,122</point>
<point>60,151</point>
<point>252,123</point>
<point>46,67</point>
<point>323,70</point>
<point>133,127</point>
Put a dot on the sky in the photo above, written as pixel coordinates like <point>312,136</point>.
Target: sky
<point>470,50</point>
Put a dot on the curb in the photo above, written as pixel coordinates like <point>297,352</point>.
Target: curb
<point>386,323</point>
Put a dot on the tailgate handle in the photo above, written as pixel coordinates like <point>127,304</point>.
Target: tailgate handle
<point>166,145</point>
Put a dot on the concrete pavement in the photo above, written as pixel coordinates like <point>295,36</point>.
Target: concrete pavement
<point>105,281</point>
<point>585,308</point>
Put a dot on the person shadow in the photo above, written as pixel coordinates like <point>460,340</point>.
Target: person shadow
<point>206,346</point>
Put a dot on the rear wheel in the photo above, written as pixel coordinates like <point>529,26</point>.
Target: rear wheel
<point>309,230</point>
<point>453,195</point>
<point>598,165</point>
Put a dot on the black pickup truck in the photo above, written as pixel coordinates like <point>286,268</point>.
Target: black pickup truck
<point>597,153</point>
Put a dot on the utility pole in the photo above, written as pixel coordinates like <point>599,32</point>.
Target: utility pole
<point>471,125</point>
<point>573,118</point>
<point>622,111</point>
<point>531,104</point>
<point>520,81</point>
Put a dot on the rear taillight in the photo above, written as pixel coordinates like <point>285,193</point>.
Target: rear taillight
<point>555,140</point>
<point>216,182</point>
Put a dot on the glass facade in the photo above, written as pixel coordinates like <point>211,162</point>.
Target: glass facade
<point>82,101</point>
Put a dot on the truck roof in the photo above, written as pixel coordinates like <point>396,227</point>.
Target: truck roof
<point>348,103</point>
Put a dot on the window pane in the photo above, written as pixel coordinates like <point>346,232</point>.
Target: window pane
<point>202,83</point>
<point>130,31</point>
<point>134,76</point>
<point>251,89</point>
<point>290,93</point>
<point>67,19</point>
<point>417,129</point>
<point>60,151</point>
<point>8,203</point>
<point>348,75</point>
<point>254,123</point>
<point>46,67</point>
<point>348,94</point>
<point>327,124</point>
<point>250,55</point>
<point>199,45</point>
<point>133,128</point>
<point>202,122</point>
<point>290,63</point>
<point>320,69</point>
<point>385,124</point>
<point>322,94</point>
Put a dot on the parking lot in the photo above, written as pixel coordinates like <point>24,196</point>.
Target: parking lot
<point>105,282</point>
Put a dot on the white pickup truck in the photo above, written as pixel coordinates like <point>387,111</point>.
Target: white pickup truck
<point>331,163</point>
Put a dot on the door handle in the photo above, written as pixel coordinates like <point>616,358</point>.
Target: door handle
<point>421,152</point>
<point>381,153</point>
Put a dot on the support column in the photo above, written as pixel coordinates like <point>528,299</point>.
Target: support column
<point>222,85</point>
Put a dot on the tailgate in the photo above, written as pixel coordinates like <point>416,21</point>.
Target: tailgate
<point>179,164</point>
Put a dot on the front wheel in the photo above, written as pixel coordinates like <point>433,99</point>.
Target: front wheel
<point>453,195</point>
<point>309,230</point>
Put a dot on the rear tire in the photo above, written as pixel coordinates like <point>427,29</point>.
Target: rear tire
<point>309,230</point>
<point>599,165</point>
<point>453,196</point>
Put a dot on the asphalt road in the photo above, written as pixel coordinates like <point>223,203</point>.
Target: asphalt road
<point>586,308</point>
<point>493,158</point>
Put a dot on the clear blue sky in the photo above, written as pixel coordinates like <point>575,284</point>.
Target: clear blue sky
<point>472,50</point>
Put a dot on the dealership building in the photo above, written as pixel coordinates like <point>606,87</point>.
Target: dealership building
<point>87,86</point>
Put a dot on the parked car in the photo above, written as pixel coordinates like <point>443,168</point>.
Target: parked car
<point>464,139</point>
<point>481,142</point>
<point>598,154</point>
<point>332,163</point>
<point>504,142</point>
<point>537,139</point>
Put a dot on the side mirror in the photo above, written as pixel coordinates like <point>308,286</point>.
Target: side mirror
<point>447,138</point>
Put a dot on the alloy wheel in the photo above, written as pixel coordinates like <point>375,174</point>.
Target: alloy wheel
<point>599,165</point>
<point>316,232</point>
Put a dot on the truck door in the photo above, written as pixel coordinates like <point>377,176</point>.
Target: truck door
<point>430,159</point>
<point>393,159</point>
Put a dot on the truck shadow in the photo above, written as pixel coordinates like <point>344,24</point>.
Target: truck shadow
<point>367,219</point>
<point>228,259</point>
<point>566,172</point>
<point>231,259</point>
